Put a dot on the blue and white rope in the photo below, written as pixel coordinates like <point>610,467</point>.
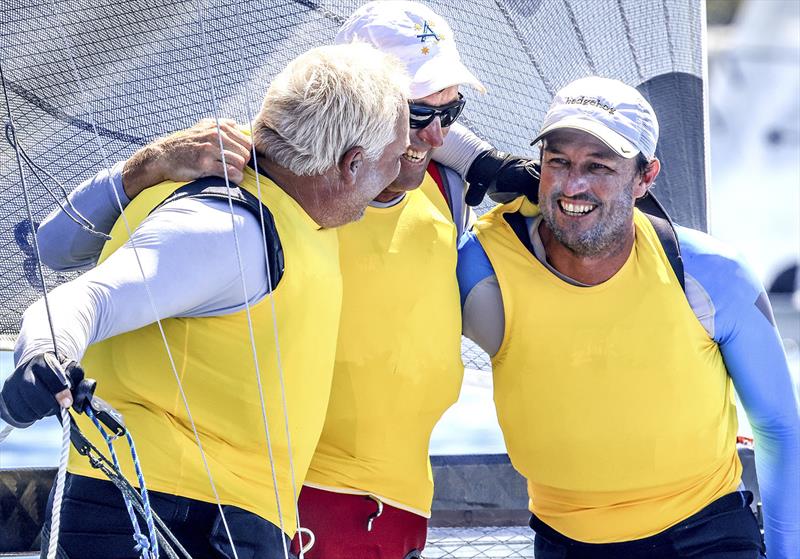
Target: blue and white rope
<point>148,547</point>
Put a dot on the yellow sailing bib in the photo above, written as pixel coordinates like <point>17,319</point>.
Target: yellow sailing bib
<point>614,402</point>
<point>398,363</point>
<point>214,361</point>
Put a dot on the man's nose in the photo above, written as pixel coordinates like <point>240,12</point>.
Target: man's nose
<point>576,183</point>
<point>433,134</point>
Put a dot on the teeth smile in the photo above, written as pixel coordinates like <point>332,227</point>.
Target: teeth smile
<point>415,156</point>
<point>571,208</point>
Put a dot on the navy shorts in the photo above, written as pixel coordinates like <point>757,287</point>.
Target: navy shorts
<point>96,525</point>
<point>725,529</point>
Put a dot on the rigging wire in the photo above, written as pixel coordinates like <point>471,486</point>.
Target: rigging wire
<point>89,227</point>
<point>55,517</point>
<point>67,207</point>
<point>66,419</point>
<point>251,330</point>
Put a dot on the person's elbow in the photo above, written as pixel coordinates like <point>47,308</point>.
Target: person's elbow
<point>55,253</point>
<point>779,429</point>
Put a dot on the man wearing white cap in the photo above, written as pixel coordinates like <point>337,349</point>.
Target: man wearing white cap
<point>615,396</point>
<point>398,367</point>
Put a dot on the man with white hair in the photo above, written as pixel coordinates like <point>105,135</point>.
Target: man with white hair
<point>369,488</point>
<point>617,341</point>
<point>211,274</point>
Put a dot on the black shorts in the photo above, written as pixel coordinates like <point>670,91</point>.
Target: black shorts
<point>725,529</point>
<point>96,525</point>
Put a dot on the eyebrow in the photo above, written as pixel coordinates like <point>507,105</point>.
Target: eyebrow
<point>553,147</point>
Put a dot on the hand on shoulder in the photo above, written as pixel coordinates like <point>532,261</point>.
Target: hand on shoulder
<point>188,155</point>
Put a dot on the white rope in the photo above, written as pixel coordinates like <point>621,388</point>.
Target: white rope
<point>274,314</point>
<point>58,494</point>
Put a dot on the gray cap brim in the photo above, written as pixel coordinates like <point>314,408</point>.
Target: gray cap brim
<point>614,141</point>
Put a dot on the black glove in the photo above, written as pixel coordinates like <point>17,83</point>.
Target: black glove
<point>29,393</point>
<point>503,177</point>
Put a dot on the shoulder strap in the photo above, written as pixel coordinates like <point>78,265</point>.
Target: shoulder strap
<point>215,188</point>
<point>655,212</point>
<point>518,224</point>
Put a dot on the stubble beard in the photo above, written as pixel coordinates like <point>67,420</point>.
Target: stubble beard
<point>606,238</point>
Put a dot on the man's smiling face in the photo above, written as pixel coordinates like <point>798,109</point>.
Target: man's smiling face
<point>587,193</point>
<point>416,158</point>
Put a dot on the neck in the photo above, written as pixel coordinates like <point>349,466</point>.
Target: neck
<point>590,270</point>
<point>307,191</point>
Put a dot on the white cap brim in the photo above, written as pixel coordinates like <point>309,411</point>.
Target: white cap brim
<point>439,73</point>
<point>616,142</point>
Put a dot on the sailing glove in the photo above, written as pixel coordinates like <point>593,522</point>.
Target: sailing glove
<point>29,393</point>
<point>502,177</point>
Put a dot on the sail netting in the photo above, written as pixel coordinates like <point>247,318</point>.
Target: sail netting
<point>90,81</point>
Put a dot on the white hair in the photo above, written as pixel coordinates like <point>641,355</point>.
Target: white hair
<point>327,101</point>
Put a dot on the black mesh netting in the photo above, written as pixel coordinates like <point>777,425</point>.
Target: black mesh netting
<point>89,81</point>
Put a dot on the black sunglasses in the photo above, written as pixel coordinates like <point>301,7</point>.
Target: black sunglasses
<point>422,115</point>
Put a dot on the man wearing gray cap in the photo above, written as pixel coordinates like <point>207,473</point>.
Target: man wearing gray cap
<point>617,340</point>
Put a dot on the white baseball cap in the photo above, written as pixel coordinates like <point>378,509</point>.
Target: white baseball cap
<point>416,35</point>
<point>609,110</point>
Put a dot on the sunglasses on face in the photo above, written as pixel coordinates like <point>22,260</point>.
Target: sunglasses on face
<point>422,115</point>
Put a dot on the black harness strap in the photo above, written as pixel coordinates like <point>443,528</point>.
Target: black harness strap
<point>665,229</point>
<point>517,223</point>
<point>214,188</point>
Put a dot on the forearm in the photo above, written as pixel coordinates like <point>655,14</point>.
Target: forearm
<point>757,364</point>
<point>461,147</point>
<point>501,176</point>
<point>778,470</point>
<point>64,243</point>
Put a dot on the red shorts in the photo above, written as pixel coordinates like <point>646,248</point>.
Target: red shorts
<point>339,523</point>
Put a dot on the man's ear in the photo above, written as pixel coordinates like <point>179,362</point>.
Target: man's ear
<point>351,164</point>
<point>647,178</point>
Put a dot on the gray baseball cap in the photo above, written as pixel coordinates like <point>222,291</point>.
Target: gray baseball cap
<point>609,110</point>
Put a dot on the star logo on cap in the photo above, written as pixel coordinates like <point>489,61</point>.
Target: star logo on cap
<point>425,50</point>
<point>426,32</point>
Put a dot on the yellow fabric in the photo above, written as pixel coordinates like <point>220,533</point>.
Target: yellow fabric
<point>214,360</point>
<point>398,361</point>
<point>614,402</point>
